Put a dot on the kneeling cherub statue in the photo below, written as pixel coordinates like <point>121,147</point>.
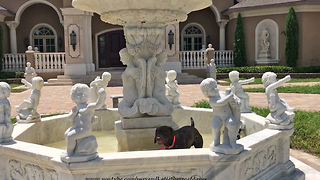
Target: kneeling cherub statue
<point>281,114</point>
<point>81,145</point>
<point>226,113</point>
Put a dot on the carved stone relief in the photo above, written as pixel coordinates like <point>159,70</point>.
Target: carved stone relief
<point>259,162</point>
<point>193,173</point>
<point>30,172</point>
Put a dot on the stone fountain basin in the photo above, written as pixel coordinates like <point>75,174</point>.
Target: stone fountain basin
<point>266,153</point>
<point>123,11</point>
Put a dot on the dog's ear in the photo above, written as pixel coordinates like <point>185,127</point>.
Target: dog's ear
<point>173,132</point>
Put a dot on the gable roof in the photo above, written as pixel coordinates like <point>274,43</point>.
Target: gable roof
<point>256,4</point>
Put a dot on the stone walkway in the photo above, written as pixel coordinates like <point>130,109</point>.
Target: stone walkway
<point>56,99</point>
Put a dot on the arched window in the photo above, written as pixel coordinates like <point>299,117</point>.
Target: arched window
<point>44,38</point>
<point>193,38</point>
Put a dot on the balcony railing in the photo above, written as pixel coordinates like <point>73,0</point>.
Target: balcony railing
<point>49,62</point>
<point>14,62</point>
<point>197,59</point>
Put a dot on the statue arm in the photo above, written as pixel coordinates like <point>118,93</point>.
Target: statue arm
<point>73,113</point>
<point>100,101</point>
<point>222,101</point>
<point>247,81</point>
<point>278,83</point>
<point>25,82</point>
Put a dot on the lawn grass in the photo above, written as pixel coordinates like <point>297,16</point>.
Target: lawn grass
<point>315,89</point>
<point>306,136</point>
<point>17,90</point>
<point>259,81</point>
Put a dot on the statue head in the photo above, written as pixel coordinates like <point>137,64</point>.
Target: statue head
<point>209,87</point>
<point>4,90</point>
<point>268,78</point>
<point>171,75</point>
<point>79,93</point>
<point>125,57</point>
<point>37,83</point>
<point>106,76</point>
<point>233,76</point>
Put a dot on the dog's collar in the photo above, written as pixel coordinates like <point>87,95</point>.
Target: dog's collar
<point>169,147</point>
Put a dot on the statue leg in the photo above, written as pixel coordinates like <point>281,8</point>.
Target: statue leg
<point>72,135</point>
<point>216,125</point>
<point>233,128</point>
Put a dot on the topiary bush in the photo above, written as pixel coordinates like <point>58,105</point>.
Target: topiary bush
<point>292,39</point>
<point>240,56</point>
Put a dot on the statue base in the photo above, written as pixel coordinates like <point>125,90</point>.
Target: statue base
<point>86,150</point>
<point>138,133</point>
<point>24,116</point>
<point>269,125</point>
<point>226,149</point>
<point>5,132</point>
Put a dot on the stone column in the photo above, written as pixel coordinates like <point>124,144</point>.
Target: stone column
<point>13,35</point>
<point>79,56</point>
<point>30,56</point>
<point>222,40</point>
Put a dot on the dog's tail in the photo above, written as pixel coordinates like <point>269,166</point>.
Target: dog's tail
<point>192,122</point>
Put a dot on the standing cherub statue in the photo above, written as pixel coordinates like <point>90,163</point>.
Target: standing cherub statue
<point>280,111</point>
<point>6,126</point>
<point>236,88</point>
<point>27,110</point>
<point>226,111</point>
<point>172,86</point>
<point>97,84</point>
<point>81,145</point>
<point>29,72</point>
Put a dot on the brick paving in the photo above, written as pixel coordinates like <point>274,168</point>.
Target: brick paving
<point>56,99</point>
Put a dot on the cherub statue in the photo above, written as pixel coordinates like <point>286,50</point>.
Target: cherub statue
<point>172,86</point>
<point>81,145</point>
<point>236,88</point>
<point>265,39</point>
<point>226,111</point>
<point>280,111</point>
<point>27,110</point>
<point>97,84</point>
<point>211,70</point>
<point>29,72</point>
<point>6,126</point>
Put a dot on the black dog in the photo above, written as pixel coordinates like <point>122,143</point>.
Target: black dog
<point>183,138</point>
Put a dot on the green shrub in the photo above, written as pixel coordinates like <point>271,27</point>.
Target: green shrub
<point>19,74</point>
<point>7,75</point>
<point>240,56</point>
<point>275,69</point>
<point>202,104</point>
<point>292,38</point>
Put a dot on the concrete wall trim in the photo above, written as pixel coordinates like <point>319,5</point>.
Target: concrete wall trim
<point>32,2</point>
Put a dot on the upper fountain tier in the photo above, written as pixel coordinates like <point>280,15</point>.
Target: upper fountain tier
<point>123,12</point>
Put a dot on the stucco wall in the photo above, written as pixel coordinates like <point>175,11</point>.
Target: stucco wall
<point>207,21</point>
<point>6,38</point>
<point>40,13</point>
<point>309,27</point>
<point>249,26</point>
<point>309,38</point>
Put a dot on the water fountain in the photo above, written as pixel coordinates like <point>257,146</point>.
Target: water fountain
<point>265,154</point>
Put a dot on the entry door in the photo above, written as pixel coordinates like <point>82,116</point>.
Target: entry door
<point>109,45</point>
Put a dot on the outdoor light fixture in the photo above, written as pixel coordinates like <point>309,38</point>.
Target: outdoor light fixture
<point>170,39</point>
<point>59,42</point>
<point>26,42</point>
<point>73,40</point>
